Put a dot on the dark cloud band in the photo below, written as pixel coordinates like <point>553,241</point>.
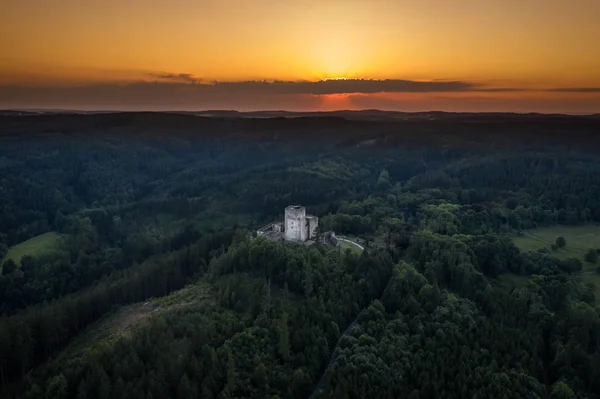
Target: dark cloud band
<point>577,90</point>
<point>178,77</point>
<point>166,90</point>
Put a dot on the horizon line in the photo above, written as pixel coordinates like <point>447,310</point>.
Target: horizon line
<point>116,111</point>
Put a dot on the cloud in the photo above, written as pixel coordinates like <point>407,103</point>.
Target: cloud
<point>364,86</point>
<point>328,86</point>
<point>179,77</point>
<point>576,89</point>
<point>184,88</point>
<point>148,96</point>
<point>186,91</point>
<point>339,86</point>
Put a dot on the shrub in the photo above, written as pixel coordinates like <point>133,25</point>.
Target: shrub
<point>591,256</point>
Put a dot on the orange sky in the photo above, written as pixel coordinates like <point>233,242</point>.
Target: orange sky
<point>530,45</point>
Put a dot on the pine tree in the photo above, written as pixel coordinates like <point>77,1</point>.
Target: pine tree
<point>186,388</point>
<point>562,391</point>
<point>308,283</point>
<point>591,256</point>
<point>57,388</point>
<point>230,387</point>
<point>34,392</point>
<point>82,390</point>
<point>284,337</point>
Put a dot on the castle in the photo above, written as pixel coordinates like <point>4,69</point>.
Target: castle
<point>297,226</point>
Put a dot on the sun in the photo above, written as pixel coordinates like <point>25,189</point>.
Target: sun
<point>333,58</point>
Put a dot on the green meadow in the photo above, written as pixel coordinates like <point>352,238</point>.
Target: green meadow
<point>34,246</point>
<point>579,240</point>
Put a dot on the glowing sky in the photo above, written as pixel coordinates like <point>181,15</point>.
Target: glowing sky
<point>499,55</point>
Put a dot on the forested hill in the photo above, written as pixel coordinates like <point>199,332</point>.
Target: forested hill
<point>450,129</point>
<point>129,267</point>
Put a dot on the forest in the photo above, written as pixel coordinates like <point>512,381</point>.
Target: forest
<point>479,277</point>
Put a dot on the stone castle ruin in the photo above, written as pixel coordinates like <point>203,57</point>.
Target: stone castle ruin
<point>297,226</point>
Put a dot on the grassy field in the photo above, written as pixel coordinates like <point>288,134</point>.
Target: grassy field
<point>579,240</point>
<point>346,245</point>
<point>33,246</point>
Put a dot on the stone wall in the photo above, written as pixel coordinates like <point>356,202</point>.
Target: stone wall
<point>330,238</point>
<point>295,221</point>
<point>313,223</point>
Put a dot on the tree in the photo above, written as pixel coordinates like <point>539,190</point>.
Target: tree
<point>284,337</point>
<point>414,394</point>
<point>231,375</point>
<point>562,391</point>
<point>383,182</point>
<point>186,389</point>
<point>82,390</point>
<point>260,375</point>
<point>308,283</point>
<point>57,388</point>
<point>561,242</point>
<point>60,221</point>
<point>8,267</point>
<point>591,256</point>
<point>3,250</point>
<point>34,392</point>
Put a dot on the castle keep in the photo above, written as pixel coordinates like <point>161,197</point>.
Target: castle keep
<point>297,226</point>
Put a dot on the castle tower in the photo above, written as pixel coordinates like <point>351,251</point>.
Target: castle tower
<point>313,223</point>
<point>295,223</point>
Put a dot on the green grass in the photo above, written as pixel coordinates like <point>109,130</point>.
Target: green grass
<point>579,240</point>
<point>346,245</point>
<point>34,246</point>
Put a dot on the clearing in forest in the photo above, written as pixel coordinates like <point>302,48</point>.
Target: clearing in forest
<point>354,244</point>
<point>579,240</point>
<point>34,246</point>
<point>127,318</point>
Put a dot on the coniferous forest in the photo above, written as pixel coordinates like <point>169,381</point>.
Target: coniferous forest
<point>130,266</point>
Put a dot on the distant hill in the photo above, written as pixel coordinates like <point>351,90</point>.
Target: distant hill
<point>367,114</point>
<point>346,128</point>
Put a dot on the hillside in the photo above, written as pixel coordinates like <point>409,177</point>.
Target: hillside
<point>134,271</point>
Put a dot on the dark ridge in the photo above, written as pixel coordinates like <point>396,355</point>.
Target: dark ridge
<point>343,128</point>
<point>366,113</point>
